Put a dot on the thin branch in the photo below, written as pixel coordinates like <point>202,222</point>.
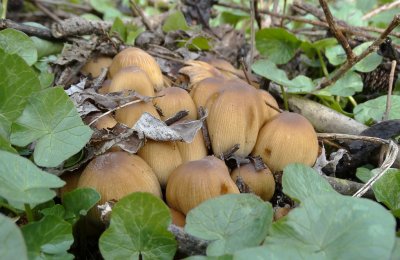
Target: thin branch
<point>47,11</point>
<point>139,11</point>
<point>337,33</point>
<point>380,9</point>
<point>29,30</point>
<point>390,88</point>
<point>252,34</point>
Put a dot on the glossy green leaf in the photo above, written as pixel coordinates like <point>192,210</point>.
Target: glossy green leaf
<point>300,182</point>
<point>346,86</point>
<point>51,119</point>
<point>5,145</point>
<point>396,250</point>
<point>11,240</point>
<point>267,69</point>
<point>78,202</point>
<point>138,227</point>
<point>56,210</point>
<point>375,108</point>
<point>364,174</point>
<point>336,54</point>
<point>16,42</point>
<point>119,28</point>
<point>17,82</point>
<point>271,253</point>
<point>324,43</point>
<point>231,222</point>
<point>22,182</point>
<point>277,44</point>
<point>370,62</point>
<point>48,238</point>
<point>327,226</point>
<point>175,21</point>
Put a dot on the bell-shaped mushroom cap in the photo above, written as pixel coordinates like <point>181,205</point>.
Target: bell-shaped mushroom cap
<point>117,174</point>
<point>173,100</point>
<point>104,122</point>
<point>193,182</point>
<point>177,217</point>
<point>163,158</point>
<point>287,138</point>
<point>195,150</point>
<point>262,182</point>
<point>203,90</point>
<point>133,56</point>
<point>199,70</point>
<point>129,115</point>
<point>95,65</point>
<point>132,78</point>
<point>270,100</point>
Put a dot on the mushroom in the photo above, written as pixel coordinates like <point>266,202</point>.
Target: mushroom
<point>262,182</point>
<point>95,65</point>
<point>193,182</point>
<point>133,56</point>
<point>117,174</point>
<point>178,218</point>
<point>129,115</point>
<point>105,122</point>
<point>199,70</point>
<point>205,89</point>
<point>270,100</point>
<point>287,138</point>
<point>195,150</point>
<point>132,78</point>
<point>172,100</point>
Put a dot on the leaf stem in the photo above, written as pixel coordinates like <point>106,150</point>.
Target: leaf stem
<point>352,101</point>
<point>285,98</point>
<point>4,11</point>
<point>321,61</point>
<point>29,213</point>
<point>9,207</point>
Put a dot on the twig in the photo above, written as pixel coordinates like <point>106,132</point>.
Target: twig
<point>380,9</point>
<point>252,34</point>
<point>337,33</point>
<point>85,8</point>
<point>30,30</point>
<point>47,11</point>
<point>187,244</point>
<point>390,88</point>
<point>346,187</point>
<point>244,68</point>
<point>4,9</point>
<point>284,11</point>
<point>175,118</point>
<point>373,47</point>
<point>139,11</point>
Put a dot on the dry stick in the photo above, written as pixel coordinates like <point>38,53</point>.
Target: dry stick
<point>30,30</point>
<point>47,11</point>
<point>373,47</point>
<point>252,35</point>
<point>139,11</point>
<point>390,88</point>
<point>67,4</point>
<point>337,33</point>
<point>391,155</point>
<point>284,11</point>
<point>346,187</point>
<point>380,9</point>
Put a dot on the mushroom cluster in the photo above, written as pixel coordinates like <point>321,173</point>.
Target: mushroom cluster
<point>187,172</point>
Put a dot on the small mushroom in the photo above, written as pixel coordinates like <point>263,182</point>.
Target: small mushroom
<point>270,100</point>
<point>178,218</point>
<point>262,182</point>
<point>94,66</point>
<point>172,100</point>
<point>133,56</point>
<point>132,78</point>
<point>193,182</point>
<point>129,115</point>
<point>203,90</point>
<point>287,138</point>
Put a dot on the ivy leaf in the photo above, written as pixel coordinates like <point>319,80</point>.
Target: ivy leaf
<point>48,238</point>
<point>203,257</point>
<point>51,119</point>
<point>336,55</point>
<point>267,69</point>
<point>17,82</point>
<point>271,252</point>
<point>175,21</point>
<point>370,62</point>
<point>56,210</point>
<point>375,108</point>
<point>138,228</point>
<point>231,222</point>
<point>16,42</point>
<point>300,182</point>
<point>22,182</point>
<point>277,44</point>
<point>78,202</point>
<point>361,228</point>
<point>396,250</point>
<point>346,86</point>
<point>5,145</point>
<point>11,240</point>
<point>321,45</point>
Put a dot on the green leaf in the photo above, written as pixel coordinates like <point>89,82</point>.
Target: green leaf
<point>138,227</point>
<point>16,42</point>
<point>271,253</point>
<point>78,202</point>
<point>11,240</point>
<point>336,54</point>
<point>5,145</point>
<point>364,174</point>
<point>175,21</point>
<point>48,238</point>
<point>396,250</point>
<point>22,182</point>
<point>119,28</point>
<point>17,82</point>
<point>277,44</point>
<point>56,210</point>
<point>324,43</point>
<point>327,226</point>
<point>375,108</point>
<point>203,257</point>
<point>267,69</point>
<point>300,182</point>
<point>51,119</point>
<point>231,222</point>
<point>346,86</point>
<point>46,48</point>
<point>370,62</point>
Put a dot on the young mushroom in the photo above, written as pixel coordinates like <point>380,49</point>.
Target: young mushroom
<point>193,182</point>
<point>172,100</point>
<point>132,78</point>
<point>287,138</point>
<point>94,66</point>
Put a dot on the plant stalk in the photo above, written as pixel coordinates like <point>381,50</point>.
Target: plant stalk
<point>4,9</point>
<point>29,213</point>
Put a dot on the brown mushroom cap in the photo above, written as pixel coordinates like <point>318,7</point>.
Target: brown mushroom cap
<point>136,57</point>
<point>178,218</point>
<point>195,150</point>
<point>129,115</point>
<point>132,78</point>
<point>117,174</point>
<point>262,183</point>
<point>193,182</point>
<point>202,91</point>
<point>173,100</point>
<point>105,87</point>
<point>199,70</point>
<point>268,98</point>
<point>95,65</point>
<point>287,138</point>
<point>163,158</point>
<point>104,122</point>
